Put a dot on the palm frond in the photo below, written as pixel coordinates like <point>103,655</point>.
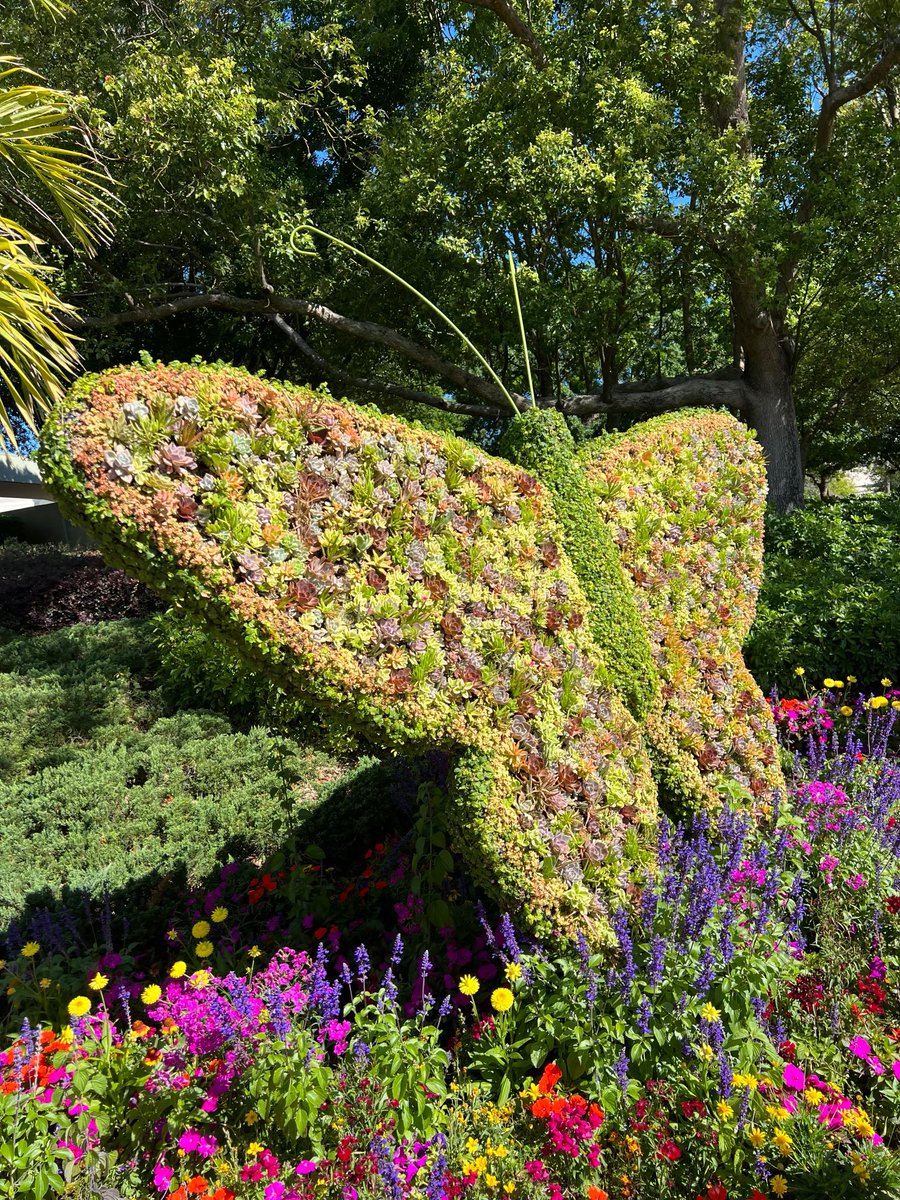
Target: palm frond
<point>35,125</point>
<point>36,351</point>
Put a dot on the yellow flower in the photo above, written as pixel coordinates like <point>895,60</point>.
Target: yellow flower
<point>885,682</point>
<point>838,683</point>
<point>851,679</point>
<point>44,983</point>
<point>706,1052</point>
<point>709,1012</point>
<point>79,1007</point>
<point>151,993</point>
<point>203,949</point>
<point>200,979</point>
<point>509,1187</point>
<point>813,1096</point>
<point>200,929</point>
<point>218,915</point>
<point>172,935</point>
<point>783,1141</point>
<point>254,952</point>
<point>724,1109</point>
<point>500,1152</point>
<point>177,969</point>
<point>66,1034</point>
<point>778,1184</point>
<point>513,972</point>
<point>254,1148</point>
<point>480,1164</point>
<point>756,1138</point>
<point>502,999</point>
<point>829,683</point>
<point>469,985</point>
<point>895,704</point>
<point>472,1145</point>
<point>2,964</point>
<point>30,949</point>
<point>99,982</point>
<point>251,1117</point>
<point>799,671</point>
<point>490,1180</point>
<point>878,702</point>
<point>846,710</point>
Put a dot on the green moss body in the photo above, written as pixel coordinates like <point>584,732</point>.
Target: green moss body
<point>540,441</point>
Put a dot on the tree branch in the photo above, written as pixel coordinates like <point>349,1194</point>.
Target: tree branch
<point>367,331</point>
<point>360,384</point>
<point>518,27</point>
<point>724,387</point>
<point>835,99</point>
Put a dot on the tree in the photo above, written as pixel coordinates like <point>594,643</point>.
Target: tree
<point>675,182</point>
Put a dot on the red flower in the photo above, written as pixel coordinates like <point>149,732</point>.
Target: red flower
<point>668,1150</point>
<point>197,1185</point>
<point>595,1193</point>
<point>550,1078</point>
<point>715,1191</point>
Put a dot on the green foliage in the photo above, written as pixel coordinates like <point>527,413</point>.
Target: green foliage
<point>540,441</point>
<point>828,601</point>
<point>103,787</point>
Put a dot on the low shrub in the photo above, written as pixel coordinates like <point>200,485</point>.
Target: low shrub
<point>43,588</point>
<point>104,787</point>
<point>828,601</point>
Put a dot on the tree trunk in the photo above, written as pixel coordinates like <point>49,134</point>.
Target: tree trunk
<point>768,367</point>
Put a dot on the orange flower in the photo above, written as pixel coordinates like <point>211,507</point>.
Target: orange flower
<point>595,1193</point>
<point>197,1185</point>
<point>550,1078</point>
<point>542,1107</point>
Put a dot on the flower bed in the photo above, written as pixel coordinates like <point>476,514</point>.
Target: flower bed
<point>296,1032</point>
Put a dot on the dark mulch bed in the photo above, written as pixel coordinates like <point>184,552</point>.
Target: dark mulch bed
<point>43,588</point>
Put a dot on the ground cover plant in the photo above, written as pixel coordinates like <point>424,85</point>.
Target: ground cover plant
<point>106,783</point>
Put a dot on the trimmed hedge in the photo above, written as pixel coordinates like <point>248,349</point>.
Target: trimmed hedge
<point>684,496</point>
<point>405,582</point>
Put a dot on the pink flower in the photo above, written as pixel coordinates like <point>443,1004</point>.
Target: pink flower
<point>860,1047</point>
<point>305,1167</point>
<point>794,1078</point>
<point>895,1067</point>
<point>275,1190</point>
<point>162,1177</point>
<point>857,882</point>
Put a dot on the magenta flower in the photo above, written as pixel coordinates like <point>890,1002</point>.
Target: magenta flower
<point>162,1177</point>
<point>860,1047</point>
<point>305,1167</point>
<point>794,1078</point>
<point>895,1067</point>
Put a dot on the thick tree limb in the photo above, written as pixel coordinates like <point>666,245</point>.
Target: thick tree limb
<point>367,331</point>
<point>518,27</point>
<point>723,388</point>
<point>338,375</point>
